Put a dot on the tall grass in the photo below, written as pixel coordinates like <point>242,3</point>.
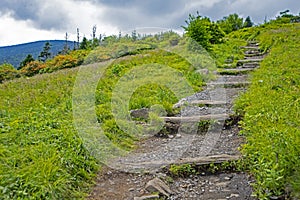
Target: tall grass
<point>41,156</point>
<point>271,110</point>
<point>41,153</point>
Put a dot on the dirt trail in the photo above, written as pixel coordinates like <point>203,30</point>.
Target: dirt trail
<point>128,176</point>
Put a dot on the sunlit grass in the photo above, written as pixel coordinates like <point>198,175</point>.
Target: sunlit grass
<point>271,110</point>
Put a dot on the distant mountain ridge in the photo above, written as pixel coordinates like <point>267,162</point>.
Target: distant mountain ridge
<point>15,54</point>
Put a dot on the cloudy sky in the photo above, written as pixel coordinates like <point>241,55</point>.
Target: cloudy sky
<point>30,20</point>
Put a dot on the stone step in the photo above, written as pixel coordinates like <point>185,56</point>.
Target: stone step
<point>191,119</point>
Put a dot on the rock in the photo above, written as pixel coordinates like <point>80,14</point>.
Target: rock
<point>146,197</point>
<point>142,113</point>
<point>229,60</point>
<point>228,65</point>
<point>171,136</point>
<point>180,103</point>
<point>171,128</point>
<point>203,71</point>
<point>157,185</point>
<point>222,184</point>
<point>234,195</point>
<point>131,189</point>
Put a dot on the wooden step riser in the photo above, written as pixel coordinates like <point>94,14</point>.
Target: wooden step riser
<point>192,119</point>
<point>230,84</point>
<point>250,47</point>
<point>246,61</point>
<point>213,159</point>
<point>250,65</point>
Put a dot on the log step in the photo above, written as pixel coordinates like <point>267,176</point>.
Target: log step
<point>229,84</point>
<point>177,120</point>
<point>253,54</point>
<point>235,71</point>
<point>250,65</point>
<point>206,102</point>
<point>209,159</point>
<point>204,160</point>
<point>253,42</point>
<point>241,62</point>
<point>199,102</point>
<point>249,47</point>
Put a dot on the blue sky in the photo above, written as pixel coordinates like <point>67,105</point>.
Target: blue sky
<point>30,20</point>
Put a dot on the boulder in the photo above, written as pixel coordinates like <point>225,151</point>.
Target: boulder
<point>142,113</point>
<point>157,185</point>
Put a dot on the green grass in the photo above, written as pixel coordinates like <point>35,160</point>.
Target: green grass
<point>159,79</point>
<point>183,170</point>
<point>271,109</point>
<point>228,52</point>
<point>41,156</point>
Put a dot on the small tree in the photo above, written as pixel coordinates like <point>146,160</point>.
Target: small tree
<point>231,23</point>
<point>27,60</point>
<point>66,46</point>
<point>78,37</point>
<point>216,33</point>
<point>248,23</point>
<point>94,32</point>
<point>197,28</point>
<point>7,72</point>
<point>285,13</point>
<point>45,54</point>
<point>84,44</point>
<point>134,35</point>
<point>203,31</point>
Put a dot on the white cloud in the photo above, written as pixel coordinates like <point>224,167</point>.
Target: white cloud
<point>15,32</point>
<point>82,15</point>
<point>201,3</point>
<point>33,20</point>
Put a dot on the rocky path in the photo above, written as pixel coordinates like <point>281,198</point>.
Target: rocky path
<point>204,133</point>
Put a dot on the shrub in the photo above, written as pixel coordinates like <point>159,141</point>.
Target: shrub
<point>7,72</point>
<point>33,68</point>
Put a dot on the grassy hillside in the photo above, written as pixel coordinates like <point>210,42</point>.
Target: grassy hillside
<point>271,109</point>
<point>42,156</point>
